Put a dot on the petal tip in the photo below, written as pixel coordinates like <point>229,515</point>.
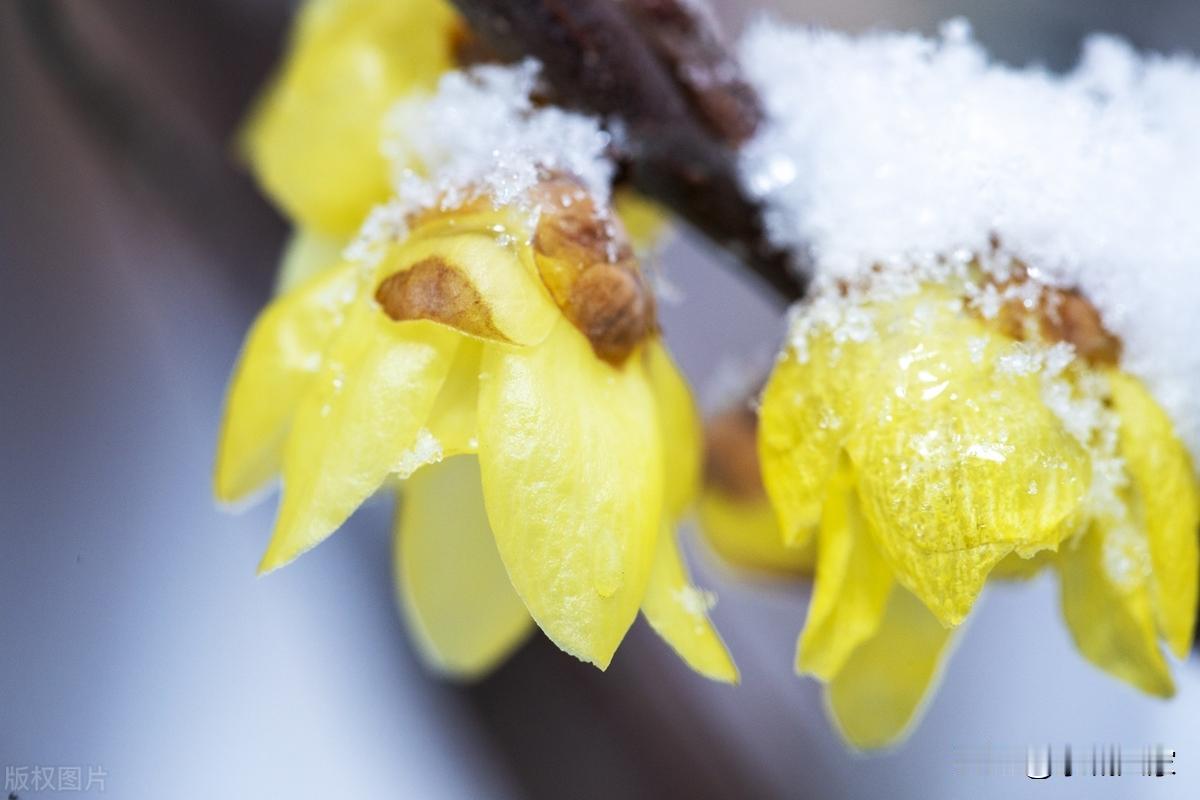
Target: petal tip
<point>276,557</point>
<point>726,672</point>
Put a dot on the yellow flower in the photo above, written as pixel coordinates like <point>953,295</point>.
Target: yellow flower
<point>513,377</point>
<point>922,446</point>
<point>348,62</point>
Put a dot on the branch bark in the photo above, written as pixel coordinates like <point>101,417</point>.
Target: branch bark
<point>657,73</point>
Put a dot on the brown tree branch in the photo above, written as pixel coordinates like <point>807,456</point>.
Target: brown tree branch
<point>657,74</point>
<point>685,37</point>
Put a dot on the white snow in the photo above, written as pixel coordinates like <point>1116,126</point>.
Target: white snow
<point>480,135</point>
<point>426,449</point>
<point>913,155</point>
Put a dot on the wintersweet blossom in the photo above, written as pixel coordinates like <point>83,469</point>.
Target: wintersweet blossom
<point>923,446</point>
<point>486,342</point>
<point>987,377</point>
<point>511,373</point>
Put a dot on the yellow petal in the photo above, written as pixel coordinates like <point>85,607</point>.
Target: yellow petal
<point>851,590</point>
<point>314,138</point>
<point>360,422</point>
<point>1167,497</point>
<point>877,695</point>
<point>746,533</point>
<point>1107,605</point>
<point>281,357</point>
<point>453,590</point>
<point>680,426</point>
<point>800,436</point>
<point>572,476</point>
<point>959,461</point>
<point>306,253</point>
<point>499,295</point>
<point>678,612</point>
<point>453,420</point>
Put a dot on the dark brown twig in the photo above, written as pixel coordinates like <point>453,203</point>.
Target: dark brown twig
<point>658,76</point>
<point>686,39</point>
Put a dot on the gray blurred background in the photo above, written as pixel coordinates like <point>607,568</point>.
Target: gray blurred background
<point>137,641</point>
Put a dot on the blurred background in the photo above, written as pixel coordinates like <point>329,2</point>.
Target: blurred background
<point>135,638</point>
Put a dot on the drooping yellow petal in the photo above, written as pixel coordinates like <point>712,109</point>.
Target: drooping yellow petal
<point>800,435</point>
<point>678,612</point>
<point>878,694</point>
<point>745,532</point>
<point>281,357</point>
<point>959,460</point>
<point>306,253</point>
<point>1106,602</point>
<point>475,279</point>
<point>850,593</point>
<point>452,586</point>
<point>1165,488</point>
<point>453,420</point>
<point>360,421</point>
<point>314,138</point>
<point>569,449</point>
<point>680,427</point>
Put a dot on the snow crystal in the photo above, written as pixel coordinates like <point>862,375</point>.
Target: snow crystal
<point>893,149</point>
<point>1081,403</point>
<point>696,602</point>
<point>479,135</point>
<point>426,449</point>
<point>1029,358</point>
<point>1125,556</point>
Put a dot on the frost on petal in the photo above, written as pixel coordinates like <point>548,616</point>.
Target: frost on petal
<point>945,450</point>
<point>455,594</point>
<point>569,449</point>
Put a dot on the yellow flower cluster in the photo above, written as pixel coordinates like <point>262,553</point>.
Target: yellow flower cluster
<point>501,367</point>
<point>503,364</point>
